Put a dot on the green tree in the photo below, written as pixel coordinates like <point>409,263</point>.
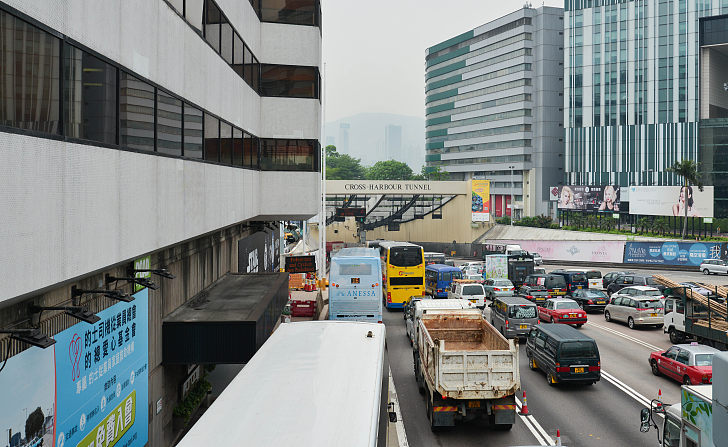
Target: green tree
<point>342,166</point>
<point>688,171</point>
<point>389,170</point>
<point>643,224</point>
<point>34,424</point>
<point>660,225</point>
<point>434,173</point>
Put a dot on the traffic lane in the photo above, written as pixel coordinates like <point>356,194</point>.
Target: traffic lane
<point>653,336</point>
<point>628,361</point>
<point>586,415</point>
<point>412,403</point>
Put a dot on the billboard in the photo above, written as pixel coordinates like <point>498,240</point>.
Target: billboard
<point>582,251</point>
<point>671,253</point>
<point>480,200</point>
<point>671,201</point>
<point>89,389</point>
<point>587,198</point>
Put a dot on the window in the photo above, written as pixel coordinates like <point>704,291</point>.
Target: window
<point>238,52</point>
<point>192,132</point>
<point>683,357</point>
<point>282,155</point>
<point>212,138</point>
<point>29,71</point>
<point>193,12</point>
<point>671,353</point>
<point>136,109</point>
<point>578,350</point>
<point>89,97</point>
<point>226,42</point>
<point>226,143</point>
<point>237,147</point>
<point>212,19</point>
<point>249,68</point>
<point>178,5</point>
<point>301,12</point>
<point>169,124</point>
<point>405,256</point>
<point>248,149</point>
<point>290,81</point>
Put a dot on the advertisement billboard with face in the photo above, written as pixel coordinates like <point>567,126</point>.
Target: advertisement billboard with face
<point>671,201</point>
<point>587,198</point>
<point>89,389</point>
<point>480,200</point>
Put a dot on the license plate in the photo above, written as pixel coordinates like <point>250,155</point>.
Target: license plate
<point>474,404</point>
<point>579,287</point>
<point>653,315</point>
<point>523,326</point>
<point>355,280</point>
<point>601,302</point>
<point>473,301</point>
<point>572,315</point>
<point>578,370</point>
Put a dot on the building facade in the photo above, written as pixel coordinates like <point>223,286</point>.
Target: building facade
<point>494,107</point>
<point>393,142</point>
<point>632,96</point>
<point>141,135</point>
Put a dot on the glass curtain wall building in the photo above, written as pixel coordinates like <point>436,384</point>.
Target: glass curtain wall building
<point>632,105</point>
<point>494,107</point>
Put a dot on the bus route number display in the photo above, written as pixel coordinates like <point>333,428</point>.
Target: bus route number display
<point>301,264</point>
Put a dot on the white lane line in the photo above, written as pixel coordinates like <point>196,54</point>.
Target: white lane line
<point>536,429</point>
<point>629,391</point>
<point>401,434</point>
<point>625,336</point>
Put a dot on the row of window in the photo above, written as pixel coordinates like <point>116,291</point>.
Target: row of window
<point>482,146</point>
<point>517,128</point>
<point>486,49</point>
<point>486,35</point>
<point>481,78</point>
<point>431,116</point>
<point>483,160</point>
<point>483,91</point>
<point>52,87</point>
<point>265,79</point>
<point>299,12</point>
<point>475,63</point>
<point>482,119</point>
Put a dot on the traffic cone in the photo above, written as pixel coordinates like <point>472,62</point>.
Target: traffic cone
<point>524,407</point>
<point>659,399</point>
<point>558,437</point>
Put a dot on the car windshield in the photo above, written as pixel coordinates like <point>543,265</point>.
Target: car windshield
<point>405,256</point>
<point>593,274</point>
<point>523,311</point>
<point>703,359</point>
<point>578,349</point>
<point>474,289</point>
<point>502,283</point>
<point>578,277</point>
<point>650,304</point>
<point>555,282</point>
<point>567,305</point>
<point>595,294</point>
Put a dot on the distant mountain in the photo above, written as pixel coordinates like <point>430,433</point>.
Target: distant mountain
<point>367,138</point>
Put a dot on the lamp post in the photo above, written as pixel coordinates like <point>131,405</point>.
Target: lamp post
<point>513,212</point>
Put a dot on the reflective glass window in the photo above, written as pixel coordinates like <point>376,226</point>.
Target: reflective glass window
<point>226,143</point>
<point>169,124</point>
<point>29,76</point>
<point>237,147</point>
<point>212,24</point>
<point>193,12</point>
<point>248,150</point>
<point>287,155</point>
<point>178,5</point>
<point>256,75</point>
<point>288,81</point>
<point>212,138</point>
<point>248,65</point>
<point>89,96</point>
<point>238,51</point>
<point>192,132</point>
<point>300,12</point>
<point>136,109</point>
<point>226,41</point>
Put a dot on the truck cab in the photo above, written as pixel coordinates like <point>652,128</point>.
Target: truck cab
<point>467,289</point>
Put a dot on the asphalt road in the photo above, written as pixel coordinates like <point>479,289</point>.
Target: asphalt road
<point>605,414</point>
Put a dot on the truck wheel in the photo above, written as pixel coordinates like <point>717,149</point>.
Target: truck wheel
<point>607,316</point>
<point>499,427</point>
<point>675,336</point>
<point>655,368</point>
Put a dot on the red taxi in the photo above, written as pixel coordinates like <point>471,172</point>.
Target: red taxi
<point>562,310</point>
<point>690,364</point>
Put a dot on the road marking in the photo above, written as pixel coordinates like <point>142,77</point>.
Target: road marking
<point>536,429</point>
<point>401,434</point>
<point>625,336</point>
<point>627,389</point>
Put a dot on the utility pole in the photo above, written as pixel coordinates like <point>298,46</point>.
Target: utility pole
<point>513,209</point>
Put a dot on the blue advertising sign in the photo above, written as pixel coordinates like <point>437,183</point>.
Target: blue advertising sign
<point>671,253</point>
<point>90,388</point>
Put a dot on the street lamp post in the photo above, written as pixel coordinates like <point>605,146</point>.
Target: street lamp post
<point>513,210</point>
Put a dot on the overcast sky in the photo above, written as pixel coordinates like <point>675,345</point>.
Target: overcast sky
<point>374,51</point>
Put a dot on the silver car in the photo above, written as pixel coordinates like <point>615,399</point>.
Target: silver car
<point>714,266</point>
<point>537,259</point>
<point>498,287</point>
<point>635,310</point>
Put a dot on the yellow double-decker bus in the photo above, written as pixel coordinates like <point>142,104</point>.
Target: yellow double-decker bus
<point>403,271</point>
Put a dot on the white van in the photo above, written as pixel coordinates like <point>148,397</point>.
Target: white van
<point>424,306</point>
<point>467,289</point>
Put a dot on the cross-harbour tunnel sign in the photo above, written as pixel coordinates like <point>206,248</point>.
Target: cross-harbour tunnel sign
<point>411,187</point>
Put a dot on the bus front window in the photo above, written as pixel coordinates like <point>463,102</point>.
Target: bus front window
<point>405,256</point>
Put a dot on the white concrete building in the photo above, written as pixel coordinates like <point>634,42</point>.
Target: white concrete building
<point>173,132</point>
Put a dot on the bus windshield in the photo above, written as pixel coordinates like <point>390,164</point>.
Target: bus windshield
<point>355,269</point>
<point>405,256</point>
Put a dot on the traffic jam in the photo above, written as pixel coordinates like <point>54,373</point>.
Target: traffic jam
<point>546,308</point>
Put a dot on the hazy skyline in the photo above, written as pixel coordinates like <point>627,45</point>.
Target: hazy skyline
<point>374,52</point>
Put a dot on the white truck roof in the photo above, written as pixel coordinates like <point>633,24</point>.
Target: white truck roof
<point>443,304</point>
<point>298,391</point>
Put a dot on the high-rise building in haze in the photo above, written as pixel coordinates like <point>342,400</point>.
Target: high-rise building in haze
<point>343,147</point>
<point>645,88</point>
<point>495,107</point>
<point>330,141</point>
<point>393,142</point>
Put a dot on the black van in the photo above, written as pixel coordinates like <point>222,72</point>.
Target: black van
<point>574,280</point>
<point>555,284</point>
<point>564,353</point>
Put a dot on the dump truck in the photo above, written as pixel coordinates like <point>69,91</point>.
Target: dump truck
<point>467,370</point>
